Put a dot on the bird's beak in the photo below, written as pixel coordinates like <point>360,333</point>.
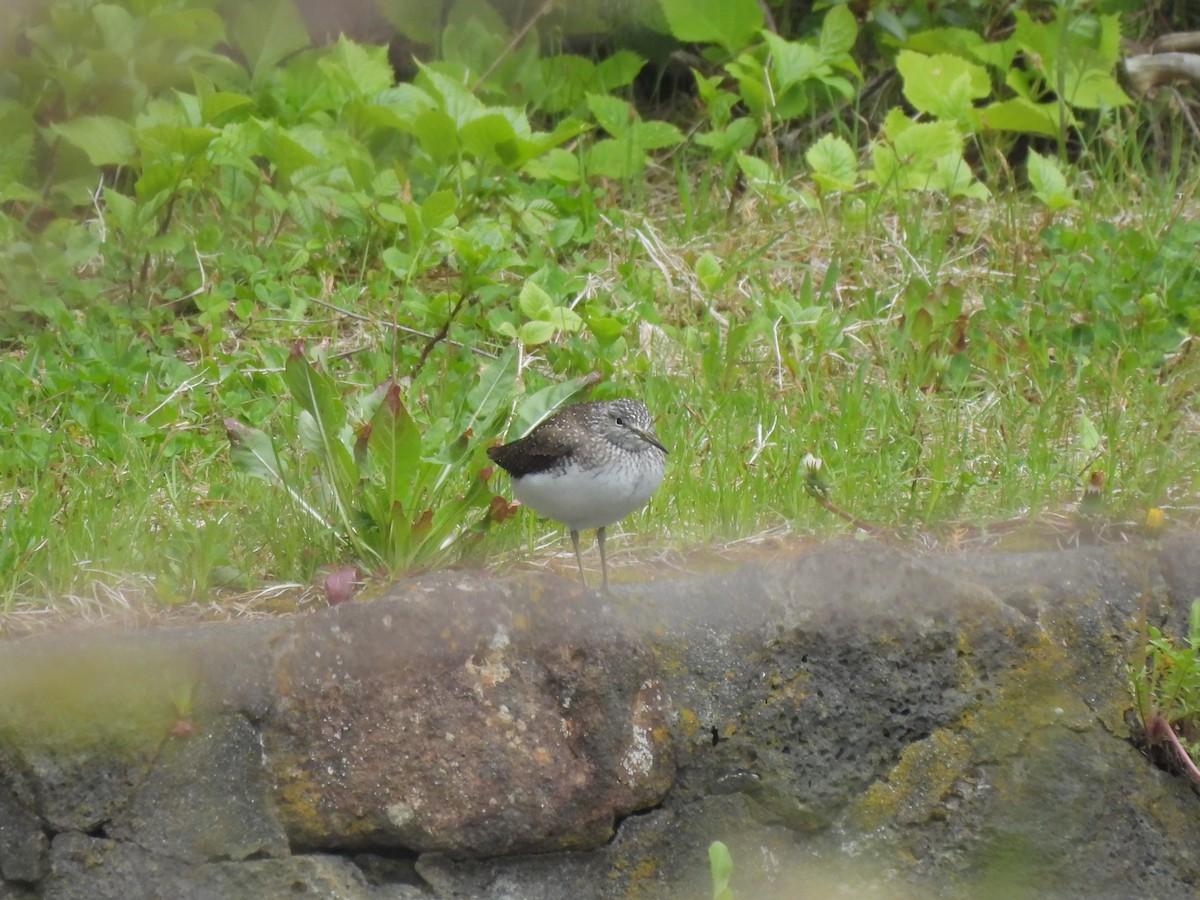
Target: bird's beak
<point>652,440</point>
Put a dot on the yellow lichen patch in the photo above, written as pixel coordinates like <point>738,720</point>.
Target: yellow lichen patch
<point>919,786</point>
<point>689,722</point>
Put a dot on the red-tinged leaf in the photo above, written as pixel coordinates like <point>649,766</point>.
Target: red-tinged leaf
<point>421,526</point>
<point>500,509</point>
<point>486,473</point>
<point>395,448</point>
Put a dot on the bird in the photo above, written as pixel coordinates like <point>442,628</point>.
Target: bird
<point>587,466</point>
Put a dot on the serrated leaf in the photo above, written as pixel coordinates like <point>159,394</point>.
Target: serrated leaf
<point>615,159</point>
<point>834,163</point>
<point>106,140</point>
<point>1049,183</point>
<point>612,114</point>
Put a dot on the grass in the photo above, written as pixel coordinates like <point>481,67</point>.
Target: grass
<point>806,344</point>
<point>953,363</point>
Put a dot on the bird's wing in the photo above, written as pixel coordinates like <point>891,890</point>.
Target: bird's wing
<point>536,452</point>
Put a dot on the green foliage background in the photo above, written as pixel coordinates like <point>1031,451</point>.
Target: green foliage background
<point>935,244</point>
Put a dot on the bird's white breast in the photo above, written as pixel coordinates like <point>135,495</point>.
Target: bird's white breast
<point>588,497</point>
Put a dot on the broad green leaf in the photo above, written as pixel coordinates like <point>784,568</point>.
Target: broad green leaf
<point>555,165</point>
<point>839,31</point>
<point>265,32</point>
<point>117,26</point>
<point>107,141</point>
<point>834,164</point>
<point>253,451</point>
<point>314,392</point>
<point>737,135</point>
<point>540,405</point>
<point>536,332</point>
<point>437,134</point>
<point>359,69</point>
<point>731,23</point>
<point>1089,435</point>
<point>493,389</point>
<point>617,71</point>
<point>708,269</point>
<point>533,301</point>
<point>1019,114</point>
<point>612,114</point>
<point>1049,183</point>
<point>615,159</point>
<point>942,85</point>
<point>792,62</point>
<point>654,135</point>
<point>219,106</point>
<point>720,863</point>
<point>437,208</point>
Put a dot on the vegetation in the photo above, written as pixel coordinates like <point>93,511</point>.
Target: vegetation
<point>1166,693</point>
<point>263,306</point>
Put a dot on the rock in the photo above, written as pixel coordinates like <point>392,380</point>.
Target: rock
<point>86,868</point>
<point>23,844</point>
<point>206,797</point>
<point>470,721</point>
<point>855,719</point>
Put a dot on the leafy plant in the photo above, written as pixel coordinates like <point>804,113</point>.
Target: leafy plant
<point>1166,694</point>
<point>389,490</point>
<point>720,863</point>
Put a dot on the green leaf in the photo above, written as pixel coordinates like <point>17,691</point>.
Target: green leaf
<point>615,159</point>
<point>536,332</point>
<point>708,269</point>
<point>731,23</point>
<point>834,164</point>
<point>942,85</point>
<point>1049,183</point>
<point>254,452</point>
<point>555,165</point>
<point>1089,435</point>
<point>540,405</point>
<point>533,300</point>
<point>107,141</point>
<point>437,208</point>
<point>839,31</point>
<point>720,863</point>
<point>394,449</point>
<point>612,114</point>
<point>1019,114</point>
<point>265,32</point>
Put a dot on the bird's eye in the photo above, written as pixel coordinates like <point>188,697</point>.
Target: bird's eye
<point>620,421</point>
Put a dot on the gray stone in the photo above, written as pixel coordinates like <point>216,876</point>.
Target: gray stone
<point>206,798</point>
<point>856,720</point>
<point>23,844</point>
<point>465,720</point>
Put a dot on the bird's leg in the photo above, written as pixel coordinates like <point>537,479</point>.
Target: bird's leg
<point>603,559</point>
<point>578,558</point>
